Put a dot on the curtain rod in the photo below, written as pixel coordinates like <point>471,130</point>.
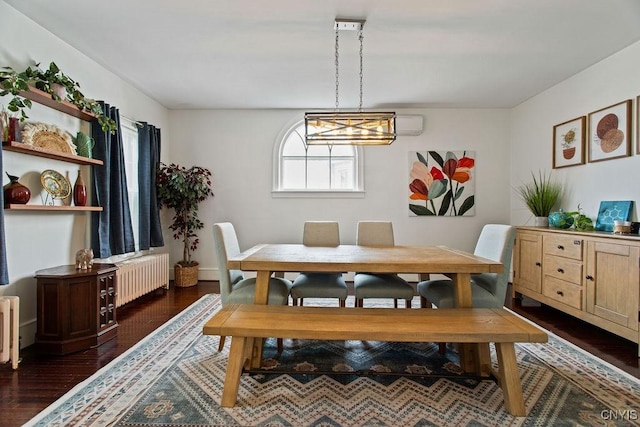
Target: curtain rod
<point>137,123</point>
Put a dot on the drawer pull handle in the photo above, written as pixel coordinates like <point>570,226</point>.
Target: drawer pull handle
<point>538,264</point>
<point>560,271</point>
<point>560,293</point>
<point>561,247</point>
<point>589,277</point>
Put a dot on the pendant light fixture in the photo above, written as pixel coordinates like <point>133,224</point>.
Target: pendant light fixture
<point>349,128</point>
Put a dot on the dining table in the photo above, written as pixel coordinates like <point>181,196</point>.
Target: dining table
<point>267,259</point>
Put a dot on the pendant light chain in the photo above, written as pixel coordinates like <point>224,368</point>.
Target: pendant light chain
<point>360,37</point>
<point>337,72</point>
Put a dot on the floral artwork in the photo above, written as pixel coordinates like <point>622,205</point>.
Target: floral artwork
<point>441,183</point>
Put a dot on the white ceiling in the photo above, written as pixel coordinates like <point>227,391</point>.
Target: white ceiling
<point>280,53</point>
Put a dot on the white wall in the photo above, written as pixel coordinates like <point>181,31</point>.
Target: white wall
<point>237,147</point>
<point>38,240</point>
<point>611,81</point>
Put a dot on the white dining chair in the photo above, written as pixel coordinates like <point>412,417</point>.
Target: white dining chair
<point>234,287</point>
<point>488,290</point>
<point>368,285</point>
<point>320,284</point>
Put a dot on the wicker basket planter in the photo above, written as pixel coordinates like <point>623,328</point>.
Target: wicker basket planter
<point>185,276</point>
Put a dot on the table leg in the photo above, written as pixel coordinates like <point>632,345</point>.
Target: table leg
<point>261,298</point>
<point>262,288</point>
<point>510,379</point>
<point>462,293</point>
<point>234,370</point>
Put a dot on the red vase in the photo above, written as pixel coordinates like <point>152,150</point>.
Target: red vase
<point>16,193</point>
<point>79,191</point>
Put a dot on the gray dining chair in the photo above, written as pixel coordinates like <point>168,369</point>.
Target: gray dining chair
<point>488,290</point>
<point>320,284</point>
<point>234,287</point>
<point>368,285</point>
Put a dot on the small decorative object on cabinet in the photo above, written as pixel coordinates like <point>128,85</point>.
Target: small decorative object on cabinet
<point>84,259</point>
<point>79,191</point>
<point>593,276</point>
<point>611,211</point>
<point>14,192</point>
<point>76,309</point>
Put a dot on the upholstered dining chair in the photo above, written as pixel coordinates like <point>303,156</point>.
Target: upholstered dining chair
<point>488,290</point>
<point>234,287</point>
<point>320,285</point>
<point>368,285</point>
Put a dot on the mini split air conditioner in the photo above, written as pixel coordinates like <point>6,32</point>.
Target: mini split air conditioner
<point>410,125</point>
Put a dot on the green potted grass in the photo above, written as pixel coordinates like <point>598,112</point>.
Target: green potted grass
<point>182,190</point>
<point>540,196</point>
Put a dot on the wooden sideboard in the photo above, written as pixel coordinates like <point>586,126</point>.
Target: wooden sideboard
<point>76,308</point>
<point>594,276</point>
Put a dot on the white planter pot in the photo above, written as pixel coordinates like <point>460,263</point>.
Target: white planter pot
<point>541,221</point>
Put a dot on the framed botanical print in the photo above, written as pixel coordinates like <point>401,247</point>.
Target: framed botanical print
<point>568,143</point>
<point>610,132</point>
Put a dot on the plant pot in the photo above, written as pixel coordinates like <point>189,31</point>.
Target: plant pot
<point>185,276</point>
<point>541,221</point>
<point>568,153</point>
<point>59,90</point>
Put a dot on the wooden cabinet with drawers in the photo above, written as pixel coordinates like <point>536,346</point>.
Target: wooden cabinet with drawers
<point>76,308</point>
<point>594,276</point>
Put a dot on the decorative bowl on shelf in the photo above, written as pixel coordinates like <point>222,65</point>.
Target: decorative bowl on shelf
<point>560,219</point>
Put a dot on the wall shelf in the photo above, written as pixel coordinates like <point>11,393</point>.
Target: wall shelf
<point>17,207</point>
<point>41,152</point>
<point>44,98</point>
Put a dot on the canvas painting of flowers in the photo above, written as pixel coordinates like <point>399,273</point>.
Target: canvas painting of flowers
<point>441,183</point>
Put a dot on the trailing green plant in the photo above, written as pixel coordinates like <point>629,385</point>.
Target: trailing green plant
<point>15,83</point>
<point>182,190</point>
<point>581,222</point>
<point>12,83</point>
<point>540,195</point>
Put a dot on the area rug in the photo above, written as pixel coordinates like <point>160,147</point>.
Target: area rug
<point>175,376</point>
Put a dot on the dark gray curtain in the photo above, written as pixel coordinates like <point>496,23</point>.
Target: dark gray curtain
<point>111,230</point>
<point>4,273</point>
<point>150,230</point>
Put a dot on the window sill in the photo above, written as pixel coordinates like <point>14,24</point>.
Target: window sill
<point>318,194</point>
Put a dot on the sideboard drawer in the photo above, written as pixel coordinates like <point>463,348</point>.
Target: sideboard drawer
<point>564,292</point>
<point>564,246</point>
<point>563,269</point>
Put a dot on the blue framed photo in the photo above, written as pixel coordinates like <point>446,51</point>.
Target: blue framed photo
<point>613,210</point>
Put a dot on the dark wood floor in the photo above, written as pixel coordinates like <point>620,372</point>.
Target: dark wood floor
<point>40,380</point>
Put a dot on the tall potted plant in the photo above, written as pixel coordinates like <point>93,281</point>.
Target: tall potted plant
<point>540,196</point>
<point>182,190</point>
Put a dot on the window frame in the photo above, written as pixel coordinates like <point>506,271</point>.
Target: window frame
<point>277,190</point>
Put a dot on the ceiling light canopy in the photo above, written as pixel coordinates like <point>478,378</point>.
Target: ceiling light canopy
<point>349,128</point>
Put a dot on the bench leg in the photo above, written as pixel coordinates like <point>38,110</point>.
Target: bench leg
<point>234,370</point>
<point>510,379</point>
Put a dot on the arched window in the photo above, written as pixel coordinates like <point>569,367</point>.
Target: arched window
<point>316,168</point>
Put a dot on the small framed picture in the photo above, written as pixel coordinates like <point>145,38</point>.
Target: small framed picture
<point>610,132</point>
<point>568,143</point>
<point>611,211</point>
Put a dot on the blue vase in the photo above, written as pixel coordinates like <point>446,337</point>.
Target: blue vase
<point>560,219</point>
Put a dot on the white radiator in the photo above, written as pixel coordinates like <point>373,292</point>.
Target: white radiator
<point>141,275</point>
<point>9,332</point>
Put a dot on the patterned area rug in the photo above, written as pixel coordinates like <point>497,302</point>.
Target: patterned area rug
<point>175,376</point>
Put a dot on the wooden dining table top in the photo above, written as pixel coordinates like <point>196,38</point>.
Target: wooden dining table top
<point>372,259</point>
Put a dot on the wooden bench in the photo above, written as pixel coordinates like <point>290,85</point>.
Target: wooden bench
<point>244,323</point>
